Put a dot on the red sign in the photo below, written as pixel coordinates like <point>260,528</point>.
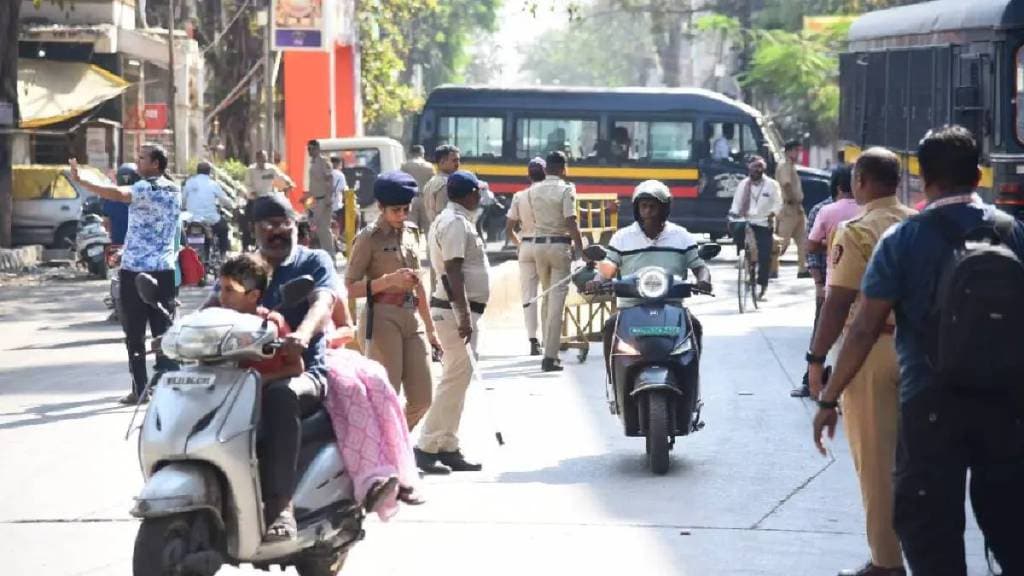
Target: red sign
<point>154,117</point>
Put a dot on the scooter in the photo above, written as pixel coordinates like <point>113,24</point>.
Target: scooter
<point>201,506</point>
<point>91,244</point>
<point>654,375</point>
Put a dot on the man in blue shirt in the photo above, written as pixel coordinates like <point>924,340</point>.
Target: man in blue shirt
<point>286,401</point>
<point>203,197</point>
<point>154,206</point>
<point>944,429</point>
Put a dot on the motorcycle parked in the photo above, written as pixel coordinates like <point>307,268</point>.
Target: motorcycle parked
<point>201,506</point>
<point>654,384</point>
<point>91,242</point>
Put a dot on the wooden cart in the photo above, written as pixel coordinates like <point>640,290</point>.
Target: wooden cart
<point>584,315</point>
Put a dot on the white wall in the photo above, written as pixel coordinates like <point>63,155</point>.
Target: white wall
<point>121,13</point>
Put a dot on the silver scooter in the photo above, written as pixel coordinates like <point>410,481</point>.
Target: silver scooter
<point>202,505</point>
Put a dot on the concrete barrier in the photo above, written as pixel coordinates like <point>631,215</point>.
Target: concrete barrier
<point>21,258</point>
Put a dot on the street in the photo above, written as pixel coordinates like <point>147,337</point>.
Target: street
<point>567,494</point>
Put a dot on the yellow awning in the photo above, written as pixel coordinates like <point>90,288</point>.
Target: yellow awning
<point>50,91</point>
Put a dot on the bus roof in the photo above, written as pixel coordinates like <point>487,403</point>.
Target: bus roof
<point>589,99</point>
<point>938,16</point>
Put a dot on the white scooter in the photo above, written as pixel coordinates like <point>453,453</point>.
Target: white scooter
<point>202,505</point>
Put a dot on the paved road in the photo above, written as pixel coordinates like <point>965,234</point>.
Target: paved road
<point>567,494</point>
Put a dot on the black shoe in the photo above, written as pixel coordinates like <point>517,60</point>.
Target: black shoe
<point>428,462</point>
<point>551,365</point>
<point>535,347</point>
<point>132,399</point>
<point>775,275</point>
<point>803,274</point>
<point>803,391</point>
<point>457,462</point>
<point>760,294</point>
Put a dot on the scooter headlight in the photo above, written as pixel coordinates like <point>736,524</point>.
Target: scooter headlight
<point>652,283</point>
<point>623,347</point>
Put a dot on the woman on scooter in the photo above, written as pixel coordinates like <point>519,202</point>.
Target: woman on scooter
<point>650,241</point>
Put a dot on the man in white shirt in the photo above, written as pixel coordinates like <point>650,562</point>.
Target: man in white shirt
<point>721,147</point>
<point>338,200</point>
<point>202,197</point>
<point>758,200</point>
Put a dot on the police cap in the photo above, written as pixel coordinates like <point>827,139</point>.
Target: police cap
<point>394,188</point>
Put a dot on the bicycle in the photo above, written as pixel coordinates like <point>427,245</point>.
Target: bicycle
<point>746,270</point>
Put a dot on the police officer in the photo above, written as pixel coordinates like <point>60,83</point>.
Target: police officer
<point>385,268</point>
<point>435,198</point>
<point>792,220</point>
<point>945,427</point>
<point>521,217</point>
<point>460,296</point>
<point>870,403</point>
<point>552,206</point>
<point>320,188</point>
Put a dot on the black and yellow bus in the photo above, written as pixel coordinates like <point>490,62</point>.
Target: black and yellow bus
<point>614,138</point>
<point>912,68</point>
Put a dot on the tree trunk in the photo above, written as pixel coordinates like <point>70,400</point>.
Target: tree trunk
<point>10,12</point>
<point>668,36</point>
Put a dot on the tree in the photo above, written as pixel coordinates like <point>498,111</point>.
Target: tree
<point>601,47</point>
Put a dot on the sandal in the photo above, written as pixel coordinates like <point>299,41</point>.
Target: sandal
<point>409,495</point>
<point>283,529</point>
<point>378,491</point>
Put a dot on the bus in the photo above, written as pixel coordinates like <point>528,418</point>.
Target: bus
<point>614,139</point>
<point>912,68</point>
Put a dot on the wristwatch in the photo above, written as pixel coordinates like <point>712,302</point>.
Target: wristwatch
<point>827,405</point>
<point>812,359</point>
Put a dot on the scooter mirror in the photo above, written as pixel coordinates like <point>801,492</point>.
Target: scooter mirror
<point>595,252</point>
<point>147,288</point>
<point>709,250</point>
<point>297,290</point>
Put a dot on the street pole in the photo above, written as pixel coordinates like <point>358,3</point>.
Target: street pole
<point>171,112</point>
<point>268,84</point>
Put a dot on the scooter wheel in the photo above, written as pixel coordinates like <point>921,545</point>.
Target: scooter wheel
<point>658,422</point>
<point>312,563</point>
<point>176,544</point>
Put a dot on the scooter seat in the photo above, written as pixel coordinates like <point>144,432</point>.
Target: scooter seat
<point>317,428</point>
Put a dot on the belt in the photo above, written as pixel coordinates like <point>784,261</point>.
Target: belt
<point>474,307</point>
<point>401,299</point>
<point>549,240</point>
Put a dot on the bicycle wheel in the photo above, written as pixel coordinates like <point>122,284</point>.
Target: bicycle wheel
<point>752,281</point>
<point>741,281</point>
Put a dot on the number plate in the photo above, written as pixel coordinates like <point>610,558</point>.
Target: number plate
<point>94,250</point>
<point>188,379</point>
<point>196,240</point>
<point>654,331</point>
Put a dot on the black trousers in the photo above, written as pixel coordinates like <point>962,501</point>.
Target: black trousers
<point>608,333</point>
<point>943,434</point>
<point>222,230</point>
<point>285,403</point>
<point>136,315</point>
<point>764,237</point>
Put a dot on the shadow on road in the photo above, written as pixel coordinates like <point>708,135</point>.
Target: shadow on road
<point>50,413</point>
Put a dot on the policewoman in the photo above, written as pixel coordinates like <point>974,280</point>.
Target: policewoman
<point>384,268</point>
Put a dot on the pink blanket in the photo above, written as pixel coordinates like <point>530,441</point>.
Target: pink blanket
<point>370,425</point>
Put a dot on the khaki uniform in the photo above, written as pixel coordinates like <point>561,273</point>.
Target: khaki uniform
<point>792,223</point>
<point>263,181</point>
<point>321,188</point>
<point>550,202</point>
<point>435,196</point>
<point>528,278</point>
<point>421,171</point>
<point>452,236</point>
<point>871,402</point>
<point>399,338</point>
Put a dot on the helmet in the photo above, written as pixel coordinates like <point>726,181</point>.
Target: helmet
<point>128,174</point>
<point>653,190</point>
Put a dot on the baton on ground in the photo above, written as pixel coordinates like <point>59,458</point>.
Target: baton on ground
<point>568,278</point>
<point>474,367</point>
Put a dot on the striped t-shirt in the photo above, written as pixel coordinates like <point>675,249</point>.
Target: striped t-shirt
<point>674,250</point>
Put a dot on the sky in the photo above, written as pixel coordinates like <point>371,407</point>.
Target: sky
<point>518,28</point>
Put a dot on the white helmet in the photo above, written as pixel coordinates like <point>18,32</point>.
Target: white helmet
<point>655,190</point>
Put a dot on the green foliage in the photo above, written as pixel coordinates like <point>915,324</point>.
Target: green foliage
<point>234,168</point>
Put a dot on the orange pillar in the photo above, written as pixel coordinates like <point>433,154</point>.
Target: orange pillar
<point>307,112</point>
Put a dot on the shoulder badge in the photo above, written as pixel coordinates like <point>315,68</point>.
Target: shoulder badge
<point>837,254</point>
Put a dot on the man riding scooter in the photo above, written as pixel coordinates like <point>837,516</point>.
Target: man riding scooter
<point>650,241</point>
<point>286,401</point>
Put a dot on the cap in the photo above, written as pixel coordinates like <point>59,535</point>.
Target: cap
<point>462,184</point>
<point>394,188</point>
<point>271,206</point>
<point>537,162</point>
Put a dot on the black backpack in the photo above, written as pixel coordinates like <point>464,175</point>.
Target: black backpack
<point>973,332</point>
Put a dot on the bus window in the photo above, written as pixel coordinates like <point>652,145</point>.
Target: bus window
<point>729,141</point>
<point>475,137</point>
<point>651,141</point>
<point>1020,93</point>
<point>540,136</point>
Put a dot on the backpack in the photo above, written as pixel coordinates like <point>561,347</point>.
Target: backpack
<point>973,328</point>
<point>192,270</point>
